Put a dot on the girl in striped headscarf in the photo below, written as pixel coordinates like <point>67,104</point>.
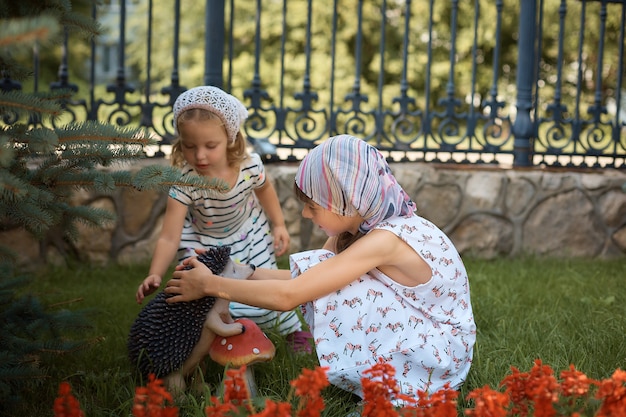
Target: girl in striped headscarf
<point>388,284</point>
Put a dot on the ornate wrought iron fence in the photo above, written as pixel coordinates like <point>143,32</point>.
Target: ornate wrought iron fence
<point>549,92</point>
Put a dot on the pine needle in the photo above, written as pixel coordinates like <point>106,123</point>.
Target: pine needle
<point>28,31</point>
<point>96,132</point>
<point>163,177</point>
<point>24,104</point>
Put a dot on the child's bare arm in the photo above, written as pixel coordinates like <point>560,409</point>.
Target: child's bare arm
<point>271,206</point>
<point>276,293</point>
<point>165,249</point>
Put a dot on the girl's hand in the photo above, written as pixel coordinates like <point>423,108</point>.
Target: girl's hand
<point>281,240</point>
<point>188,285</point>
<point>186,263</point>
<point>147,287</point>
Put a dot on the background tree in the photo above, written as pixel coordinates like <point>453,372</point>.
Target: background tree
<point>271,18</point>
<point>78,23</point>
<point>41,164</point>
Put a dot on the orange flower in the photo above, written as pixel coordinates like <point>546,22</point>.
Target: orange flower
<point>542,388</point>
<point>488,403</point>
<point>537,389</point>
<point>311,382</point>
<point>66,405</point>
<point>308,386</point>
<point>516,390</point>
<point>575,383</point>
<point>150,401</point>
<point>535,393</point>
<point>613,393</point>
<point>236,389</point>
<point>441,403</point>
<point>218,409</point>
<point>235,386</point>
<point>311,407</point>
<point>274,409</point>
<point>379,390</point>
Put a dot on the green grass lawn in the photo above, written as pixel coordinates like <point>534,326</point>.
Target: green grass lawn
<point>560,311</point>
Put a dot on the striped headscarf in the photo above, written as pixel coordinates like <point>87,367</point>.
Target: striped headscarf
<point>347,176</point>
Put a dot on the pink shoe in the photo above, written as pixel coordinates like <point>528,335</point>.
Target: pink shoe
<point>300,341</point>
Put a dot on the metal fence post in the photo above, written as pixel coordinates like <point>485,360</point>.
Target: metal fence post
<point>214,43</point>
<point>523,127</point>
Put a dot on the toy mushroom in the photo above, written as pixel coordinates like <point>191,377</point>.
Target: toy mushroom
<point>248,347</point>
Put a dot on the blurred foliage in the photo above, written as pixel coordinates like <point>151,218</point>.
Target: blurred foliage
<point>358,59</point>
<point>293,64</point>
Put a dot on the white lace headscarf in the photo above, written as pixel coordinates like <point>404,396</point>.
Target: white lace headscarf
<point>228,108</point>
<point>348,176</point>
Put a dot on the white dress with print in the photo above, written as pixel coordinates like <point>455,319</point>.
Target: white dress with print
<point>426,332</point>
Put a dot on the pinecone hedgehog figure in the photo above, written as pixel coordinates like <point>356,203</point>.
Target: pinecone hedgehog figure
<point>163,335</point>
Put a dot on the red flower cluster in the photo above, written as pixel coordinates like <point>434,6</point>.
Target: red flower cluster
<point>382,397</point>
<point>308,387</point>
<point>150,401</point>
<point>612,392</point>
<point>236,395</point>
<point>66,405</point>
<point>536,393</point>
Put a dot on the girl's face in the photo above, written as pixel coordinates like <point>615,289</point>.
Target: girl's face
<point>332,224</point>
<point>204,144</point>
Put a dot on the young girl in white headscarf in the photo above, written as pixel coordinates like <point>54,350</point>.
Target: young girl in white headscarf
<point>207,122</point>
<point>387,284</point>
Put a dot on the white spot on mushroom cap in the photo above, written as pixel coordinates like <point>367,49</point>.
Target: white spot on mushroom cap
<point>256,351</point>
<point>230,346</point>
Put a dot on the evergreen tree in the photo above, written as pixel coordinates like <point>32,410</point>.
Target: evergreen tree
<point>43,162</point>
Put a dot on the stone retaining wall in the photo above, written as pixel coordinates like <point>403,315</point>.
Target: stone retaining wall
<point>488,212</point>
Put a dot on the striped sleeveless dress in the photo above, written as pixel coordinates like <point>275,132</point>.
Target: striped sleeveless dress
<point>234,218</point>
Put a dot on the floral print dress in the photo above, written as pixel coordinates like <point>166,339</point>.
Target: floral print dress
<point>426,332</point>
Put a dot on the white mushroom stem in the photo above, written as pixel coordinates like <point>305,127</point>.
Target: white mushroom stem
<point>250,381</point>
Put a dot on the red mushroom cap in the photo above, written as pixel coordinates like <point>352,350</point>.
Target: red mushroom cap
<point>246,348</point>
